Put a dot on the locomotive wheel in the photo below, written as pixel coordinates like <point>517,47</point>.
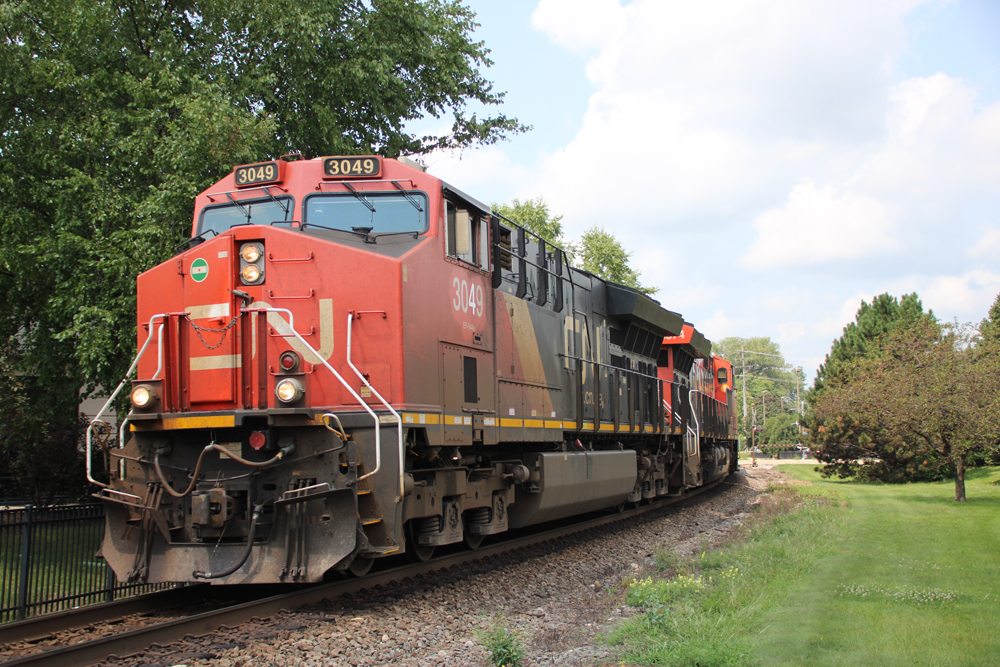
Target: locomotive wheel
<point>360,566</point>
<point>473,541</point>
<point>419,553</point>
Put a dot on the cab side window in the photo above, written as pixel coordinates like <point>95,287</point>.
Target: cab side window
<point>468,238</point>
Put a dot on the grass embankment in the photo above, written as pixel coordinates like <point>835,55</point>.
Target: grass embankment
<point>855,574</point>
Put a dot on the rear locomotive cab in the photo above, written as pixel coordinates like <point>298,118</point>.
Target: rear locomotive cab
<point>700,408</point>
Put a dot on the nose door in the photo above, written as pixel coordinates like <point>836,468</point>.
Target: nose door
<point>210,337</point>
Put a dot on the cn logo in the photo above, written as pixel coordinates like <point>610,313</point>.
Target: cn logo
<point>281,326</point>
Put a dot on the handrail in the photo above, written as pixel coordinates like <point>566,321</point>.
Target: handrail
<point>694,415</point>
<point>159,353</point>
<point>100,413</point>
<point>291,326</point>
<point>399,420</point>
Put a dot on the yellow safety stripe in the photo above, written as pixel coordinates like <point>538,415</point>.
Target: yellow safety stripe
<point>424,418</point>
<point>514,422</point>
<point>214,421</point>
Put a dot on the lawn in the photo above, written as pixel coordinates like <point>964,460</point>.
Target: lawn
<point>855,574</point>
<point>914,580</point>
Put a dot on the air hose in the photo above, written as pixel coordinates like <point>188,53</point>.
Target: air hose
<point>257,511</point>
<point>285,451</point>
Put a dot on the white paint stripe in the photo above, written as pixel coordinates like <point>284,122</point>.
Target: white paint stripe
<point>211,310</point>
<point>217,362</point>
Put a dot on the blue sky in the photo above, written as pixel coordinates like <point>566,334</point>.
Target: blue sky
<point>769,164</point>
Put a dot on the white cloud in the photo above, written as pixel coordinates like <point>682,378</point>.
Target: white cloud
<point>716,327</point>
<point>821,225</point>
<point>967,297</point>
<point>712,107</point>
<point>791,332</point>
<point>581,25</point>
<point>988,245</point>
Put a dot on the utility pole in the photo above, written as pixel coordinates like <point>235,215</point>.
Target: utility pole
<point>743,355</point>
<point>798,401</point>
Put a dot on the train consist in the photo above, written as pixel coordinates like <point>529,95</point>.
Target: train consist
<point>354,359</point>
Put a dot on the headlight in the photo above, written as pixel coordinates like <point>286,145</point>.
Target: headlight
<point>143,397</point>
<point>252,263</point>
<point>289,390</point>
<point>251,273</point>
<point>251,253</point>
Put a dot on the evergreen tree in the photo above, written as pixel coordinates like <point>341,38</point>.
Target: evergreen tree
<point>872,321</point>
<point>989,329</point>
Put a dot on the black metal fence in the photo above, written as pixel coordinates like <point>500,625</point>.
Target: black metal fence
<point>48,561</point>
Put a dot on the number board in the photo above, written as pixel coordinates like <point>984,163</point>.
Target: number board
<point>258,174</point>
<point>348,167</point>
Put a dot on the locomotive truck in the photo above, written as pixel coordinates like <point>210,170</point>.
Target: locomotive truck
<point>352,359</point>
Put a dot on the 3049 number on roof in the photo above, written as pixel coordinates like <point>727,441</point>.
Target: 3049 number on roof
<point>350,167</point>
<point>258,174</point>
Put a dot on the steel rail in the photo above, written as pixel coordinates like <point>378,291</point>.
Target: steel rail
<point>138,640</point>
<point>40,627</point>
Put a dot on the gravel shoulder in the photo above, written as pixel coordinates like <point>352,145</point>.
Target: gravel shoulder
<point>558,597</point>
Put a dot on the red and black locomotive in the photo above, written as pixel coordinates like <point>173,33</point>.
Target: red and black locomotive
<point>354,359</point>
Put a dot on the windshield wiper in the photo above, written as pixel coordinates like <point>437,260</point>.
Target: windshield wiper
<point>360,198</point>
<point>406,195</point>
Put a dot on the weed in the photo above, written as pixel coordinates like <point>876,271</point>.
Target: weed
<point>912,594</point>
<point>668,561</point>
<point>504,646</point>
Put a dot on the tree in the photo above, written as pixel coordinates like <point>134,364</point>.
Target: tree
<point>871,321</point>
<point>534,215</point>
<point>113,116</point>
<point>600,253</point>
<point>781,429</point>
<point>989,328</point>
<point>769,384</point>
<point>41,455</point>
<point>923,397</point>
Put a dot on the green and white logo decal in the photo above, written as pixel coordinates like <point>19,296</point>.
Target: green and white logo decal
<point>199,270</point>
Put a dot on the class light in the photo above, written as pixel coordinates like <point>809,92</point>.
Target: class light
<point>289,390</point>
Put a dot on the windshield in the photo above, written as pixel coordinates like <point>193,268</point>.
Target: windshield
<point>388,213</point>
<point>259,212</point>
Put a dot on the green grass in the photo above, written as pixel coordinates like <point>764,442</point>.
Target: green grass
<point>854,574</point>
<point>913,581</point>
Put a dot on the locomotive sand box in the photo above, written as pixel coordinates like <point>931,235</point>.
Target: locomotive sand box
<point>354,359</point>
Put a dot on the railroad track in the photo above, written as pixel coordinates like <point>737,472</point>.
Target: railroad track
<point>135,641</point>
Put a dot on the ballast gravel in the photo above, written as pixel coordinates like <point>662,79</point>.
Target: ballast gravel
<point>557,597</point>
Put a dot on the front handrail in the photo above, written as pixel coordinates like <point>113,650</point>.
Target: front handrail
<point>399,421</point>
<point>100,413</point>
